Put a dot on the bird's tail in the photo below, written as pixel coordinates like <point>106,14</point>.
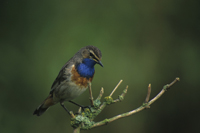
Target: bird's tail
<point>44,106</point>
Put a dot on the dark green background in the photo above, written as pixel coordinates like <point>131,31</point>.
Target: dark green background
<point>142,42</point>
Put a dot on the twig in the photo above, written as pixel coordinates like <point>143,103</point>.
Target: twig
<point>91,97</point>
<point>165,88</point>
<point>106,121</point>
<point>104,103</point>
<point>116,87</point>
<point>72,114</point>
<point>77,130</point>
<point>148,96</point>
<point>172,83</point>
<point>79,110</point>
<point>121,97</point>
<point>100,94</point>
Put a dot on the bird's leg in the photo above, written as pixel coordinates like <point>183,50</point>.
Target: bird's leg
<point>62,104</point>
<point>75,103</point>
<point>83,107</point>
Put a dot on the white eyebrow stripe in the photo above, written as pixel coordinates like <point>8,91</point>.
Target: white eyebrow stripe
<point>94,54</point>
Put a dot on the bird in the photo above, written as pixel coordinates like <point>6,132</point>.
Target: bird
<point>73,78</point>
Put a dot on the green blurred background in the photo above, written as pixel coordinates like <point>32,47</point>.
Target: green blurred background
<point>142,42</point>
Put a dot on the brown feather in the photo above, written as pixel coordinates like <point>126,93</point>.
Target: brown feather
<point>82,81</point>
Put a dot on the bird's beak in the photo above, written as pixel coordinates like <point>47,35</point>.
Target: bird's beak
<point>99,62</point>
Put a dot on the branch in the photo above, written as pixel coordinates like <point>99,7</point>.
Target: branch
<point>115,88</point>
<point>72,114</point>
<point>121,97</point>
<point>165,88</point>
<point>148,95</point>
<point>109,100</point>
<point>84,120</point>
<point>100,94</point>
<point>91,97</point>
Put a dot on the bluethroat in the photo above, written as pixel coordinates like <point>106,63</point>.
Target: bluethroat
<point>73,78</point>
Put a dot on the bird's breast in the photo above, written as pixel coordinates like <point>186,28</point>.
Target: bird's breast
<point>78,79</point>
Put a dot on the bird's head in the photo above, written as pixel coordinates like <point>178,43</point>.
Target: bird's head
<point>91,55</point>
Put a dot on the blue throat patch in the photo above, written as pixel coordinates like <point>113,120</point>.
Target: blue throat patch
<point>86,68</point>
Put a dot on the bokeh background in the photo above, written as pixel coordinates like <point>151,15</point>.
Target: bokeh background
<point>142,42</point>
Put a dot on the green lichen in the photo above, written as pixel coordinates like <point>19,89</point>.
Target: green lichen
<point>87,110</point>
<point>108,100</point>
<point>88,114</point>
<point>144,104</point>
<point>166,87</point>
<point>106,121</point>
<point>83,114</point>
<point>75,122</point>
<point>88,123</point>
<point>96,112</point>
<point>121,98</point>
<point>97,103</point>
<point>125,90</point>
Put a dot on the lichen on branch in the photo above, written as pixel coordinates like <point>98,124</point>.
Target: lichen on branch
<point>84,120</point>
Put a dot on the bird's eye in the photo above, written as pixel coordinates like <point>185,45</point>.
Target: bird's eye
<point>91,55</point>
